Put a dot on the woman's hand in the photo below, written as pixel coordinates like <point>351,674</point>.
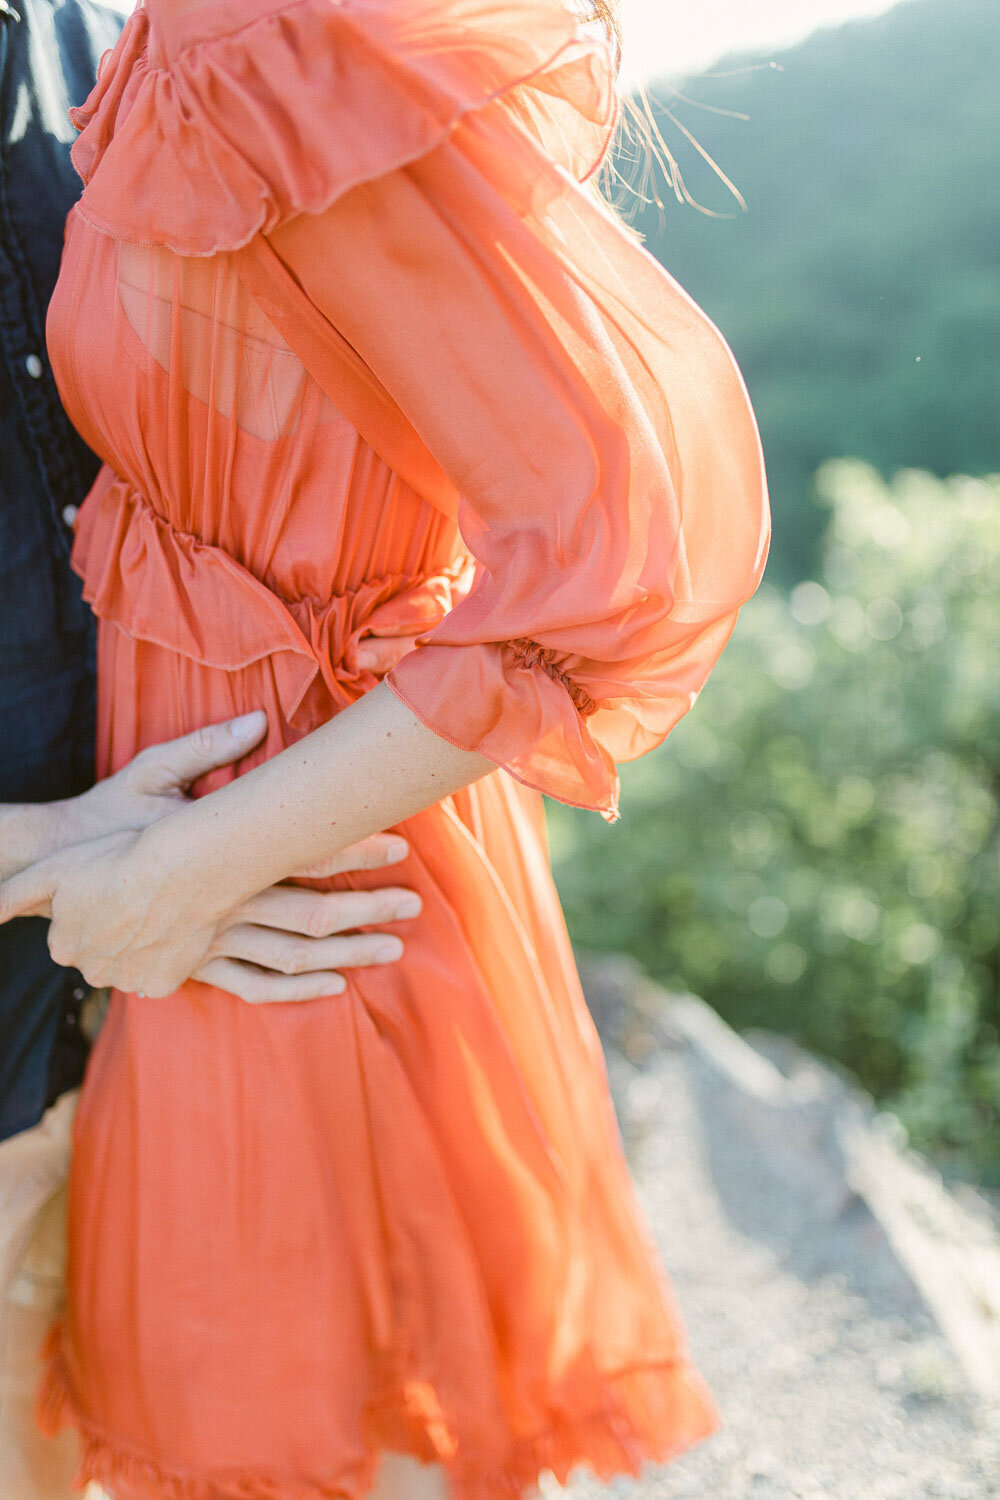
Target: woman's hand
<point>285,944</point>
<point>142,910</point>
<point>107,916</point>
<point>111,919</point>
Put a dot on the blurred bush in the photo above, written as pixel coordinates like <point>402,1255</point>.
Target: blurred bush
<point>860,291</point>
<point>816,847</point>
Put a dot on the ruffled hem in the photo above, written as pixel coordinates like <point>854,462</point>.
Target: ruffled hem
<point>281,108</point>
<point>648,1414</point>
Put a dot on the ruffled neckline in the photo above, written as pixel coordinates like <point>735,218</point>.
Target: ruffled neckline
<point>210,123</point>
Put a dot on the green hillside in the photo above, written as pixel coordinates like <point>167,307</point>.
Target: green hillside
<point>861,288</point>
<point>814,849</point>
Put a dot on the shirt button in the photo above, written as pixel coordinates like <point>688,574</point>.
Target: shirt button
<point>34,366</point>
<point>70,513</point>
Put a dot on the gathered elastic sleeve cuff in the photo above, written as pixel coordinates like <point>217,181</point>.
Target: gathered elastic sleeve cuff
<point>418,170</point>
<point>595,428</point>
<point>554,720</point>
<point>597,433</point>
<point>517,704</point>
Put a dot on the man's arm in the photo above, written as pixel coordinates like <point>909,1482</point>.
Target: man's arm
<point>142,792</point>
<point>285,943</point>
<point>28,831</point>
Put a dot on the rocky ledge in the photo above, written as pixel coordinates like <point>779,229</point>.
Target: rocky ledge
<point>841,1300</point>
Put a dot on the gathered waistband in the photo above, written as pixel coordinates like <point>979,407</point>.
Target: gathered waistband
<point>174,590</point>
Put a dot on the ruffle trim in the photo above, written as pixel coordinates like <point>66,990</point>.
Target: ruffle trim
<point>172,589</point>
<point>649,1414</point>
<point>583,776</point>
<point>285,107</point>
<point>530,654</point>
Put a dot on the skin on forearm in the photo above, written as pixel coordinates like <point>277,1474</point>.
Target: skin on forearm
<point>29,831</point>
<point>369,768</point>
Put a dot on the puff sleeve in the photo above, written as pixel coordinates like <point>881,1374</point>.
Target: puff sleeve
<point>419,169</point>
<point>598,434</point>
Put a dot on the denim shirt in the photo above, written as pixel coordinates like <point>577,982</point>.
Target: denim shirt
<point>49,50</point>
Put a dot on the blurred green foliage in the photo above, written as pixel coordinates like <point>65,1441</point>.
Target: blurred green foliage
<point>860,290</point>
<point>816,848</point>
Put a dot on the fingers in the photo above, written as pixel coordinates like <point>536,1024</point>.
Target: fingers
<point>262,987</point>
<point>320,914</point>
<point>370,854</point>
<point>380,653</point>
<point>29,893</point>
<point>286,953</point>
<point>176,763</point>
<point>284,947</point>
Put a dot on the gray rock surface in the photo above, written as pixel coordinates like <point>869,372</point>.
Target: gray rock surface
<point>837,1299</point>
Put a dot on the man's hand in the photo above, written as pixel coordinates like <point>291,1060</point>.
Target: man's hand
<point>153,784</point>
<point>287,943</point>
<point>156,780</point>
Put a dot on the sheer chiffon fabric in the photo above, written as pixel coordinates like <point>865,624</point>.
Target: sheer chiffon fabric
<point>363,355</point>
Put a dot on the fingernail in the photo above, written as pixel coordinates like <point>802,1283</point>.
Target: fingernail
<point>388,951</point>
<point>335,987</point>
<point>408,906</point>
<point>248,725</point>
<point>395,850</point>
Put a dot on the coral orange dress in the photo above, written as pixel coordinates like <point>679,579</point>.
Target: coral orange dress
<point>363,354</point>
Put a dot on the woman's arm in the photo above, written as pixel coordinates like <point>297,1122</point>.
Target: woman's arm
<point>369,768</point>
<point>146,908</point>
<point>142,792</point>
<point>140,910</point>
<point>610,482</point>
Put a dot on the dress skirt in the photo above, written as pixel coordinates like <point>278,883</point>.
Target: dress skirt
<point>364,355</point>
<point>399,1218</point>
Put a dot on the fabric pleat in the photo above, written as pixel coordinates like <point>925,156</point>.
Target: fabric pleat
<point>364,354</point>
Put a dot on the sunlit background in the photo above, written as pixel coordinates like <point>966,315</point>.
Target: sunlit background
<point>815,849</point>
<point>665,37</point>
<point>662,37</point>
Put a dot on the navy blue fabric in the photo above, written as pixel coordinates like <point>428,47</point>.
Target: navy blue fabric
<point>49,50</point>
